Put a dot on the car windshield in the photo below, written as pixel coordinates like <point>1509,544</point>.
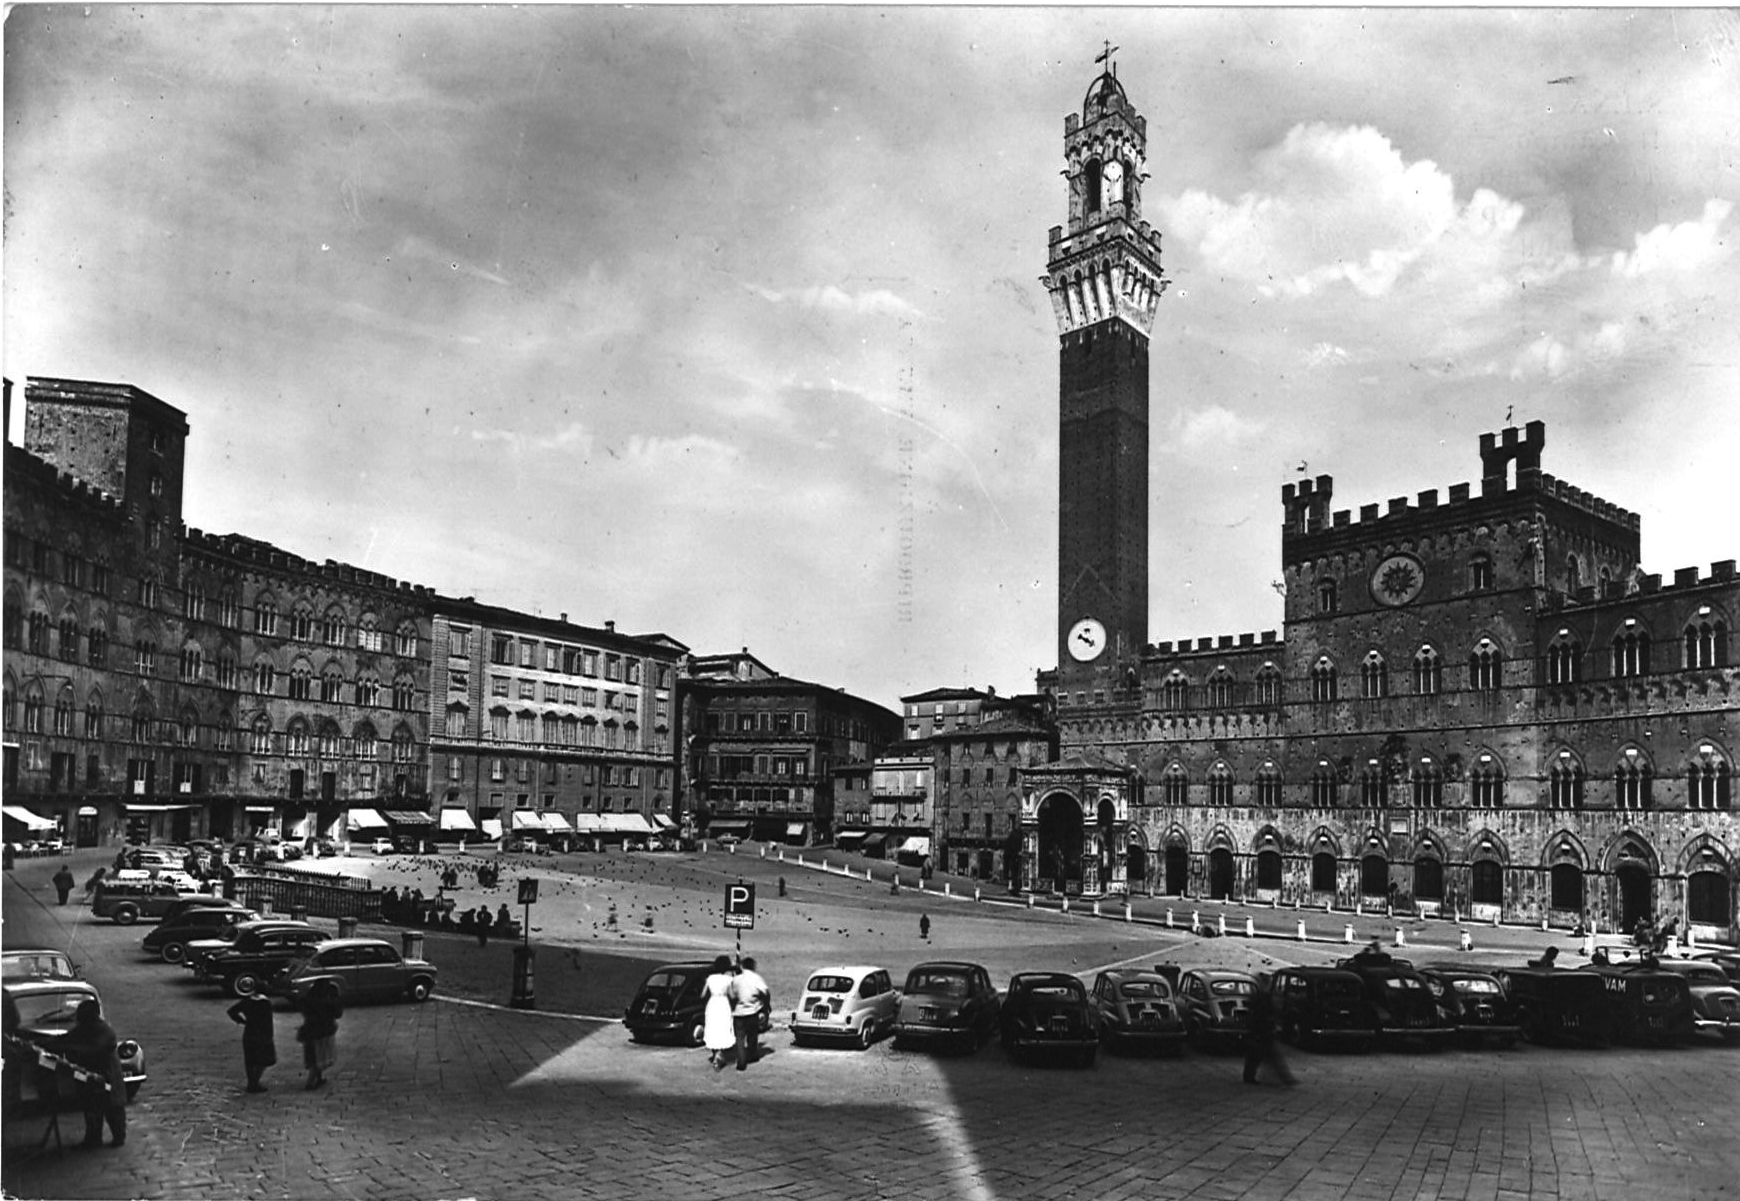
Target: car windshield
<point>51,965</point>
<point>1475,986</point>
<point>1233,988</point>
<point>1702,976</point>
<point>1057,991</point>
<point>49,1008</point>
<point>940,984</point>
<point>1402,982</point>
<point>831,984</point>
<point>1146,988</point>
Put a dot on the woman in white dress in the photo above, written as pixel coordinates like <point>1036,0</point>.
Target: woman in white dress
<point>717,1031</point>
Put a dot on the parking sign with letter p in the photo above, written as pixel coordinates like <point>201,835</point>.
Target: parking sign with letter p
<point>740,907</point>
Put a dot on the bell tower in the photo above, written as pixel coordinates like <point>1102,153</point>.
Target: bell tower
<point>1105,281</point>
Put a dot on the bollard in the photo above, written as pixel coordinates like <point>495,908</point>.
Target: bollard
<point>1301,929</point>
<point>1126,911</point>
<point>764,850</point>
<point>1096,908</point>
<point>975,892</point>
<point>1326,906</point>
<point>347,927</point>
<point>947,889</point>
<point>1195,920</point>
<point>1223,925</point>
<point>524,995</point>
<point>1347,933</point>
<point>1691,940</point>
<point>1029,900</point>
<point>1250,928</point>
<point>780,854</point>
<point>1401,937</point>
<point>921,882</point>
<point>1543,925</point>
<point>1589,946</point>
<point>1169,919</point>
<point>1495,921</point>
<point>1467,941</point>
<point>411,944</point>
<point>1066,904</point>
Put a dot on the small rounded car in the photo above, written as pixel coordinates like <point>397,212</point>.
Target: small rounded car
<point>1323,1006</point>
<point>37,1011</point>
<point>1715,1000</point>
<point>671,1005</point>
<point>1048,1012</point>
<point>947,1003</point>
<point>1216,1003</point>
<point>1473,1003</point>
<point>857,1003</point>
<point>1137,1010</point>
<point>383,846</point>
<point>363,969</point>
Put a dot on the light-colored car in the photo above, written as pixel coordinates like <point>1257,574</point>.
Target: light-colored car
<point>382,846</point>
<point>857,1003</point>
<point>363,968</point>
<point>37,965</point>
<point>38,1011</point>
<point>1137,1011</point>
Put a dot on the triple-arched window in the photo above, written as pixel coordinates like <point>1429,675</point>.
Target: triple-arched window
<point>1374,676</point>
<point>1428,672</point>
<point>1706,640</point>
<point>1631,650</point>
<point>1323,683</point>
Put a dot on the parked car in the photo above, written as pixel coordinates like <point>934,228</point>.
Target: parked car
<point>727,840</point>
<point>1728,961</point>
<point>37,964</point>
<point>183,881</point>
<point>1045,1012</point>
<point>856,1003</point>
<point>168,941</point>
<point>947,1003</point>
<point>670,1005</point>
<point>200,900</point>
<point>126,901</point>
<point>137,858</point>
<point>1216,1003</point>
<point>1646,1005</point>
<point>383,846</point>
<point>41,1009</point>
<point>244,958</point>
<point>363,969</point>
<point>1553,1005</point>
<point>1473,1004</point>
<point>1322,1006</point>
<point>1137,1010</point>
<point>1402,1002</point>
<point>1715,1000</point>
<point>325,848</point>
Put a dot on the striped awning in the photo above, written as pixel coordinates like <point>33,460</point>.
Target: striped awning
<point>556,823</point>
<point>457,819</point>
<point>364,819</point>
<point>19,813</point>
<point>409,817</point>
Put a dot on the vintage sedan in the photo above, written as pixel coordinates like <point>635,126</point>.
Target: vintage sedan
<point>1728,961</point>
<point>1044,1012</point>
<point>855,1004</point>
<point>1216,1003</point>
<point>1473,1003</point>
<point>1715,1000</point>
<point>38,1011</point>
<point>1405,1007</point>
<point>1323,1006</point>
<point>37,964</point>
<point>126,901</point>
<point>1137,1011</point>
<point>1555,1006</point>
<point>168,940</point>
<point>362,968</point>
<point>947,1003</point>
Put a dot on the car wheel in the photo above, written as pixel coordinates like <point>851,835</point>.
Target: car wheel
<point>173,952</point>
<point>420,988</point>
<point>696,1035</point>
<point>244,984</point>
<point>867,1034</point>
<point>637,1036</point>
<point>126,915</point>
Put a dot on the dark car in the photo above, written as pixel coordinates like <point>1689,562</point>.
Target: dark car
<point>196,901</point>
<point>1553,1005</point>
<point>362,968</point>
<point>1402,1001</point>
<point>168,940</point>
<point>1137,1010</point>
<point>947,1003</point>
<point>1715,1001</point>
<point>1046,1012</point>
<point>255,952</point>
<point>1216,1002</point>
<point>1473,1004</point>
<point>671,1004</point>
<point>1322,1006</point>
<point>1647,1005</point>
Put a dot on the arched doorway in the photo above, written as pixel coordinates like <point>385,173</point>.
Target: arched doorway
<point>1635,894</point>
<point>1374,876</point>
<point>1136,864</point>
<point>1220,874</point>
<point>1269,869</point>
<point>1177,870</point>
<point>1060,842</point>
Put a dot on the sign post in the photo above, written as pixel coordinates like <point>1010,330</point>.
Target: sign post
<point>740,910</point>
<point>524,996</point>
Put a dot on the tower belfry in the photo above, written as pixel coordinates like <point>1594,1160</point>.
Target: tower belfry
<point>1105,281</point>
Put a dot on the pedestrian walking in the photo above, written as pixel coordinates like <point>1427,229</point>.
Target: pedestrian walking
<point>91,1044</point>
<point>63,883</point>
<point>259,1048</point>
<point>924,926</point>
<point>318,1033</point>
<point>718,1031</point>
<point>750,999</point>
<point>483,920</point>
<point>97,878</point>
<point>1260,1046</point>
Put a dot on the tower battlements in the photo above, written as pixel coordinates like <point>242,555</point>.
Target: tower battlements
<point>241,549</point>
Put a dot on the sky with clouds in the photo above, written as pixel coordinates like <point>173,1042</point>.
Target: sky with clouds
<point>727,322</point>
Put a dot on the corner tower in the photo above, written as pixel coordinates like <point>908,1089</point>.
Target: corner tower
<point>1105,281</point>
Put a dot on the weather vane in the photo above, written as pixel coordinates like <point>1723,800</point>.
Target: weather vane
<point>1105,56</point>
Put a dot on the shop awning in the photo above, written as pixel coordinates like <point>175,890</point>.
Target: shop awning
<point>525,819</point>
<point>874,842</point>
<point>132,808</point>
<point>491,827</point>
<point>457,819</point>
<point>409,817</point>
<point>916,845</point>
<point>259,808</point>
<point>363,819</point>
<point>850,837</point>
<point>795,828</point>
<point>663,822</point>
<point>613,823</point>
<point>557,824</point>
<point>35,821</point>
<point>728,828</point>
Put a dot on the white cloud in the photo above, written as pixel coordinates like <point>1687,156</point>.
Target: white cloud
<point>1214,426</point>
<point>1688,246</point>
<point>1326,354</point>
<point>830,299</point>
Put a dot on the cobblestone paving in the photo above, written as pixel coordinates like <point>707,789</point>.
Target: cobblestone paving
<point>455,1100</point>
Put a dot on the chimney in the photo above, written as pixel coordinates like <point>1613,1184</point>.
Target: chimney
<point>564,619</point>
<point>610,627</point>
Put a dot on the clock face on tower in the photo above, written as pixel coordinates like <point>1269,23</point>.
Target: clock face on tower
<point>1087,640</point>
<point>1397,580</point>
<point>1112,180</point>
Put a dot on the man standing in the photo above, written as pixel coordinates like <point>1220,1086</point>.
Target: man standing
<point>1260,1039</point>
<point>750,999</point>
<point>63,882</point>
<point>91,1044</point>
